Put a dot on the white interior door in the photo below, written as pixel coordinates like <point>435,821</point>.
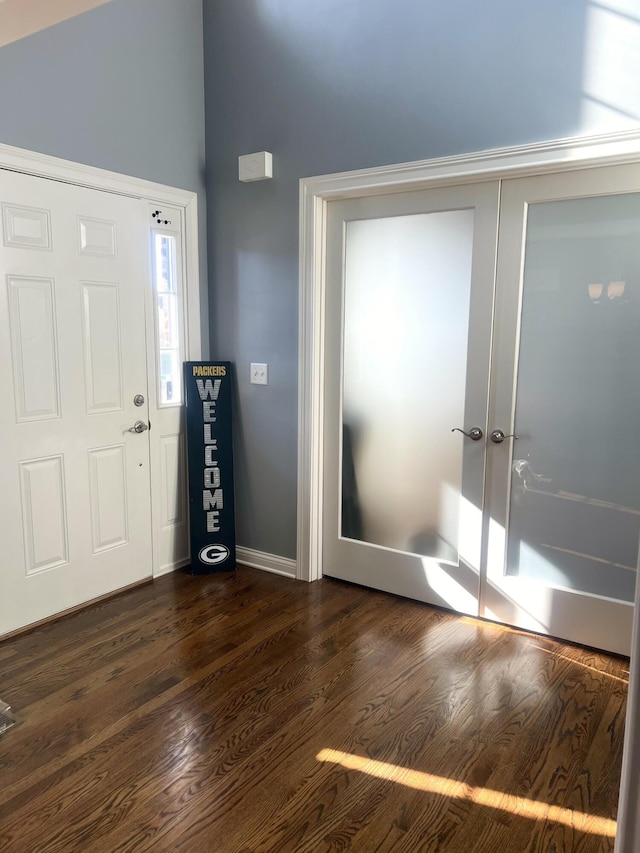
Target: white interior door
<point>563,509</point>
<point>404,367</point>
<point>545,537</point>
<point>75,502</point>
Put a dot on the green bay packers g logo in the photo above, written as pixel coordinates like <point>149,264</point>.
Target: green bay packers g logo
<point>213,554</point>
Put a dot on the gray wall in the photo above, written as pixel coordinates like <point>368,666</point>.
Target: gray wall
<point>333,85</point>
<point>120,87</point>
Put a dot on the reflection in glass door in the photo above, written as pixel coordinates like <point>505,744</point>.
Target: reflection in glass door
<point>578,399</point>
<point>563,551</point>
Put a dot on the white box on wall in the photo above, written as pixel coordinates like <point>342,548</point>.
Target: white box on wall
<point>255,167</point>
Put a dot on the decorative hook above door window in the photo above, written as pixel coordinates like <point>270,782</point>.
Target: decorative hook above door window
<point>157,214</point>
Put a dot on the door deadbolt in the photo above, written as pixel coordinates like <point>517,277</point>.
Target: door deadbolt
<point>138,400</point>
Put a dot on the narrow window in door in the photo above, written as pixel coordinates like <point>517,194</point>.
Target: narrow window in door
<point>169,344</point>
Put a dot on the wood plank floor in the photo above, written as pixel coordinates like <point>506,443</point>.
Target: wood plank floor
<point>248,712</point>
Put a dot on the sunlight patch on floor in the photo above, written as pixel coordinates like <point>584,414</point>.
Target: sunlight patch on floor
<point>519,806</point>
<point>601,673</point>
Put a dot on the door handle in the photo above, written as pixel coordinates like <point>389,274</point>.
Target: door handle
<point>498,436</point>
<point>475,433</point>
<point>139,426</point>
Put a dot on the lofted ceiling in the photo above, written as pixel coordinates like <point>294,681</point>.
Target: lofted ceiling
<point>20,18</point>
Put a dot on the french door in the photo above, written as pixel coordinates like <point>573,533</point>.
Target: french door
<point>75,504</point>
<point>482,395</point>
<point>405,274</point>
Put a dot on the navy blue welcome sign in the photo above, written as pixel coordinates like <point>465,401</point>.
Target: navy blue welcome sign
<point>207,386</point>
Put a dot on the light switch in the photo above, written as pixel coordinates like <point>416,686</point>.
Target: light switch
<point>259,374</point>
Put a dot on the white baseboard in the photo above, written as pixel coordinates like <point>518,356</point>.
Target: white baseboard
<point>267,562</point>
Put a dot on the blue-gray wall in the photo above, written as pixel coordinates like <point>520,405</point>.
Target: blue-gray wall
<point>333,85</point>
<point>326,86</point>
<point>120,87</point>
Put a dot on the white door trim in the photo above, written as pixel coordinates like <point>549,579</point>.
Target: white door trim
<point>65,171</point>
<point>315,193</point>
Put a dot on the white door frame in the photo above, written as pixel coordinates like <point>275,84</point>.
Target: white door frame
<point>315,194</point>
<point>65,171</point>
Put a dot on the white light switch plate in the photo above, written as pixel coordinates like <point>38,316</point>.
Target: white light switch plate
<point>259,374</point>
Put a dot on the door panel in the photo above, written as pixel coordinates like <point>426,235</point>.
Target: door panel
<point>403,492</point>
<point>76,499</point>
<point>564,502</point>
<point>388,419</point>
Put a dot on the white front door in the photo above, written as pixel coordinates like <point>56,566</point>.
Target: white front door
<point>75,501</point>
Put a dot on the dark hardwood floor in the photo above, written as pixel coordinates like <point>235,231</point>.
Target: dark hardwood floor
<point>253,713</point>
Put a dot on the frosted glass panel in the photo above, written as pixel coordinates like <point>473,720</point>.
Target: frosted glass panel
<point>575,497</point>
<point>406,319</point>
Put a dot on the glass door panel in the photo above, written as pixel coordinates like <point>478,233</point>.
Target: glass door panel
<point>564,534</point>
<point>407,285</point>
<point>404,368</point>
<point>575,491</point>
